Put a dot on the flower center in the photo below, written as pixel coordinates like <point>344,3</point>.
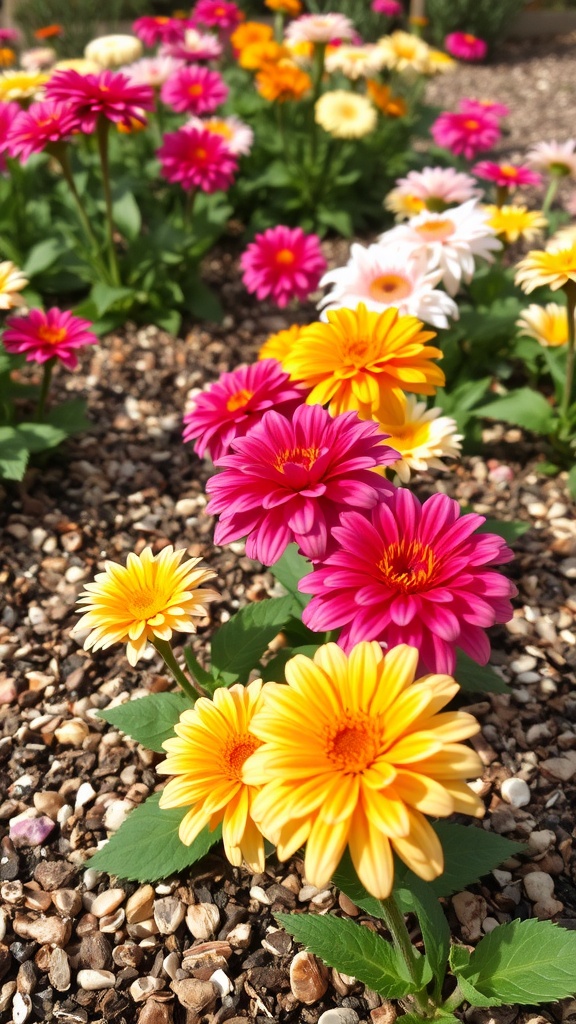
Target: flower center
<point>469,38</point>
<point>471,124</point>
<point>408,567</point>
<point>436,230</point>
<point>195,90</point>
<point>347,111</point>
<point>237,751</point>
<point>389,287</point>
<point>160,20</point>
<point>559,168</point>
<point>200,153</point>
<point>220,128</point>
<point>509,170</point>
<point>305,457</point>
<point>285,257</point>
<point>357,351</point>
<point>51,335</point>
<point>353,743</point>
<point>239,399</point>
<point>146,603</point>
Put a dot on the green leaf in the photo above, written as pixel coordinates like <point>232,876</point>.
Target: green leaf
<point>42,256</point>
<point>206,679</point>
<point>126,216</point>
<point>475,678</point>
<point>508,530</point>
<point>289,570</point>
<point>338,220</point>
<point>572,481</point>
<point>37,437</point>
<point>419,900</point>
<point>240,643</point>
<point>148,720</point>
<point>351,949</point>
<point>523,962</point>
<point>13,455</point>
<point>273,671</point>
<point>105,296</point>
<point>147,847</point>
<point>525,407</point>
<point>70,417</point>
<point>202,302</point>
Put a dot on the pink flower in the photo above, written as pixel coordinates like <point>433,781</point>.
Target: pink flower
<point>217,14</point>
<point>194,90</point>
<point>42,124</point>
<point>152,30</point>
<point>291,479</point>
<point>195,46</point>
<point>152,71</point>
<point>474,107</point>
<point>197,158</point>
<point>413,574</point>
<point>109,94</point>
<point>8,114</point>
<point>464,134</point>
<point>283,263</point>
<point>235,403</point>
<point>506,175</point>
<point>465,46</point>
<point>9,35</point>
<point>389,8</point>
<point>53,334</point>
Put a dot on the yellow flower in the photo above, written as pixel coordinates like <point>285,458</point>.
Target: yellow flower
<point>277,346</point>
<point>7,57</point>
<point>12,281</point>
<point>553,267</point>
<point>547,324</point>
<point>354,754</point>
<point>250,32</point>
<point>439,63</point>
<point>402,204</point>
<point>79,64</point>
<point>20,85</point>
<point>423,437</point>
<point>282,82</point>
<point>213,740</point>
<point>291,7</point>
<point>403,51</point>
<point>151,597</point>
<point>345,115</point>
<point>301,52</point>
<point>563,238</point>
<point>514,222</point>
<point>363,360</point>
<point>257,55</point>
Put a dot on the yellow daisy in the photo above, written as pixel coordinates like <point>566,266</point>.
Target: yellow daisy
<point>423,437</point>
<point>149,598</point>
<point>278,345</point>
<point>403,205</point>
<point>355,754</point>
<point>548,325</point>
<point>345,115</point>
<point>439,63</point>
<point>405,52</point>
<point>206,756</point>
<point>365,361</point>
<point>21,85</point>
<point>12,281</point>
<point>514,222</point>
<point>553,267</point>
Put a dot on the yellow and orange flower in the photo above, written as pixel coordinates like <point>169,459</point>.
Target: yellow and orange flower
<point>250,32</point>
<point>12,281</point>
<point>548,324</point>
<point>206,758</point>
<point>554,267</point>
<point>365,361</point>
<point>7,57</point>
<point>258,55</point>
<point>354,753</point>
<point>282,82</point>
<point>146,600</point>
<point>290,7</point>
<point>278,345</point>
<point>21,85</point>
<point>514,222</point>
<point>381,96</point>
<point>423,437</point>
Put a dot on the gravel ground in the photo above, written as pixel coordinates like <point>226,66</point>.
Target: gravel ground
<point>76,946</point>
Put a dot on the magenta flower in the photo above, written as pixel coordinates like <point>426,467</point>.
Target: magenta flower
<point>53,334</point>
<point>464,134</point>
<point>389,8</point>
<point>197,158</point>
<point>43,124</point>
<point>109,94</point>
<point>194,90</point>
<point>506,175</point>
<point>235,403</point>
<point>465,46</point>
<point>283,263</point>
<point>195,46</point>
<point>8,114</point>
<point>413,574</point>
<point>152,30</point>
<point>9,35</point>
<point>291,480</point>
<point>475,108</point>
<point>217,14</point>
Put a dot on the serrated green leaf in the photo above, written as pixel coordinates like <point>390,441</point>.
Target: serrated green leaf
<point>240,643</point>
<point>351,949</point>
<point>147,847</point>
<point>475,678</point>
<point>523,962</point>
<point>289,570</point>
<point>148,720</point>
<point>525,408</point>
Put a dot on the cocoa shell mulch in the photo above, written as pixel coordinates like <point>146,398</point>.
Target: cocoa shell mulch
<point>204,948</point>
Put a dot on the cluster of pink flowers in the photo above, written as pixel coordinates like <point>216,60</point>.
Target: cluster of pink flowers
<point>196,158</point>
<point>282,264</point>
<point>51,334</point>
<point>474,128</point>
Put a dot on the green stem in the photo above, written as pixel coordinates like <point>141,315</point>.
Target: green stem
<point>165,651</point>
<point>396,925</point>
<point>102,136</point>
<point>46,379</point>
<point>62,157</point>
<point>189,208</point>
<point>317,73</point>
<point>279,26</point>
<point>453,1001</point>
<point>549,199</point>
<point>570,289</point>
<point>502,192</point>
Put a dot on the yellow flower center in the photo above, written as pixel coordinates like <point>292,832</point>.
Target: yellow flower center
<point>347,111</point>
<point>353,743</point>
<point>146,603</point>
<point>436,230</point>
<point>236,752</point>
<point>509,170</point>
<point>239,399</point>
<point>305,457</point>
<point>220,128</point>
<point>389,288</point>
<point>196,89</point>
<point>285,257</point>
<point>51,335</point>
<point>471,124</point>
<point>408,567</point>
<point>200,153</point>
<point>408,436</point>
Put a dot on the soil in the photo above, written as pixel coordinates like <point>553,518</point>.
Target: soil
<point>130,482</point>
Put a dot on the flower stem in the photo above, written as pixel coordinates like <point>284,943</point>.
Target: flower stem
<point>396,925</point>
<point>62,156</point>
<point>317,73</point>
<point>192,690</point>
<point>279,26</point>
<point>550,194</point>
<point>453,1001</point>
<point>189,208</point>
<point>46,379</point>
<point>570,289</point>
<point>502,192</point>
<point>102,136</point>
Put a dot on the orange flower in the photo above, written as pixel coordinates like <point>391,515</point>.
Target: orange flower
<point>250,32</point>
<point>48,32</point>
<point>282,81</point>
<point>256,55</point>
<point>381,96</point>
<point>278,345</point>
<point>291,7</point>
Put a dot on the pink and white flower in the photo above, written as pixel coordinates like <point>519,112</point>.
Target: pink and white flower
<point>53,334</point>
<point>438,187</point>
<point>152,71</point>
<point>194,46</point>
<point>196,158</point>
<point>319,28</point>
<point>194,89</point>
<point>237,135</point>
<point>282,263</point>
<point>466,46</point>
<point>465,134</point>
<point>556,158</point>
<point>37,58</point>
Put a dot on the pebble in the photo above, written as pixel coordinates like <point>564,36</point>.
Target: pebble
<point>95,951</point>
<point>470,910</point>
<point>169,913</point>
<point>142,988</point>
<point>111,923</point>
<point>540,841</point>
<point>194,995</point>
<point>548,908</point>
<point>68,902</point>
<point>128,955</point>
<point>203,920</point>
<point>48,803</point>
<point>72,733</point>
<point>31,831</point>
<point>85,794</point>
<point>561,768</point>
<point>106,902</point>
<point>59,970</point>
<point>222,982</point>
<point>538,886</point>
<point>140,905</point>
<point>21,1008</point>
<point>515,791</point>
<point>43,929</point>
<point>340,1015</point>
<point>154,1012</point>
<point>116,814</point>
<point>568,568</point>
<point>171,964</point>
<point>308,978</point>
<point>94,980</point>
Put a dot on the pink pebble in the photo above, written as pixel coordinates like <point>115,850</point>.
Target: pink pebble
<point>31,831</point>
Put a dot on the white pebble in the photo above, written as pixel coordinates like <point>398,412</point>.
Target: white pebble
<point>222,982</point>
<point>516,792</point>
<point>91,878</point>
<point>539,885</point>
<point>85,794</point>
<point>339,1015</point>
<point>94,981</point>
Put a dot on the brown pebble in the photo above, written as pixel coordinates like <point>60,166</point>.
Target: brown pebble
<point>345,904</point>
<point>154,1012</point>
<point>26,978</point>
<point>59,970</point>
<point>198,996</point>
<point>128,955</point>
<point>68,902</point>
<point>48,803</point>
<point>5,960</point>
<point>53,874</point>
<point>140,906</point>
<point>308,978</point>
<point>36,899</point>
<point>95,952</point>
<point>87,923</point>
<point>43,929</point>
<point>385,1014</point>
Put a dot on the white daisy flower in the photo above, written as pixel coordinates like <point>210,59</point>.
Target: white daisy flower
<point>423,439</point>
<point>355,61</point>
<point>319,28</point>
<point>558,158</point>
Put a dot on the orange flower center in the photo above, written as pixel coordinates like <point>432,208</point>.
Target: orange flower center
<point>285,257</point>
<point>408,567</point>
<point>509,170</point>
<point>353,743</point>
<point>469,38</point>
<point>200,153</point>
<point>239,399</point>
<point>146,603</point>
<point>196,89</point>
<point>389,287</point>
<point>219,12</point>
<point>161,20</point>
<point>305,457</point>
<point>236,752</point>
<point>357,351</point>
<point>471,124</point>
<point>220,128</point>
<point>436,230</point>
<point>51,335</point>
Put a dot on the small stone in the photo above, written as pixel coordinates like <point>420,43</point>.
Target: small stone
<point>548,908</point>
<point>36,899</point>
<point>538,885</point>
<point>21,1008</point>
<point>502,820</point>
<point>140,905</point>
<point>85,794</point>
<point>43,929</point>
<point>154,1012</point>
<point>54,874</point>
<point>48,803</point>
<point>384,1014</point>
<point>72,733</point>
<point>68,902</point>
<point>222,983</point>
<point>561,768</point>
<point>240,936</point>
<point>111,923</point>
<point>31,831</point>
<point>9,861</point>
<point>59,970</point>
<point>169,913</point>
<point>128,955</point>
<point>171,964</point>
<point>106,902</point>
<point>194,995</point>
<point>277,942</point>
<point>142,988</point>
<point>470,910</point>
<point>339,1015</point>
<point>203,920</point>
<point>95,980</point>
<point>27,978</point>
<point>308,978</point>
<point>568,568</point>
<point>95,951</point>
<point>116,814</point>
<point>541,841</point>
<point>515,791</point>
<point>143,929</point>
